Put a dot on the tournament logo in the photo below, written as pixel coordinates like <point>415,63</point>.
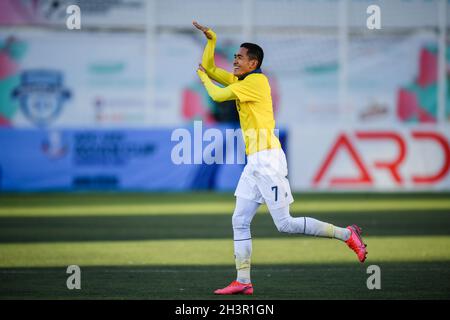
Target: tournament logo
<point>41,95</point>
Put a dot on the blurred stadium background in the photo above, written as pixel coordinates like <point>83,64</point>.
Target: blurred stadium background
<point>86,175</point>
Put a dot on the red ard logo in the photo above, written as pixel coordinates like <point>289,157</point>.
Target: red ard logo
<point>392,166</point>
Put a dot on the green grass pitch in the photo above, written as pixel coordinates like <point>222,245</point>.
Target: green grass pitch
<point>179,246</point>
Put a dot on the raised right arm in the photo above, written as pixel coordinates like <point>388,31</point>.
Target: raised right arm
<point>224,77</point>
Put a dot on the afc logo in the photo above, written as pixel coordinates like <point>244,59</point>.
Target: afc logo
<point>392,166</point>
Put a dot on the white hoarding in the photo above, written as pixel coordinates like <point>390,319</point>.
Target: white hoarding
<point>394,158</point>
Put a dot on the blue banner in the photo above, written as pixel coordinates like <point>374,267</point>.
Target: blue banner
<point>42,160</point>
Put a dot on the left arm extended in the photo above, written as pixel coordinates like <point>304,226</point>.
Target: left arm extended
<point>217,93</point>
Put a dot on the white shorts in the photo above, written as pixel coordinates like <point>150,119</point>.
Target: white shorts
<point>264,179</point>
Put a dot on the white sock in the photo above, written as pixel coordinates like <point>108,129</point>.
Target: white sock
<point>341,233</point>
<point>305,225</point>
<point>243,214</point>
<point>243,270</point>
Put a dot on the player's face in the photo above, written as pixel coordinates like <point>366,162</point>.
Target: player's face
<point>242,64</point>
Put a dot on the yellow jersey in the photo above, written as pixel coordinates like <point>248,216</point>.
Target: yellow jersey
<point>253,100</point>
<point>254,105</point>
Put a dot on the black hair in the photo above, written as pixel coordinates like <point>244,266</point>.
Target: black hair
<point>254,52</point>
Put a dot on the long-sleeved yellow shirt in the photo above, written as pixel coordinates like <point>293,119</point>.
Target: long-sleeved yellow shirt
<point>253,100</point>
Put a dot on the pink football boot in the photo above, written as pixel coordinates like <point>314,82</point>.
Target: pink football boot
<point>355,242</point>
<point>236,288</point>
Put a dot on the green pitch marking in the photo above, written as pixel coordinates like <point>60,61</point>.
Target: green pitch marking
<point>420,280</point>
<point>14,209</point>
<point>300,250</point>
<point>157,246</point>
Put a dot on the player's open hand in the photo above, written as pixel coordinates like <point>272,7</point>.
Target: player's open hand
<point>202,29</point>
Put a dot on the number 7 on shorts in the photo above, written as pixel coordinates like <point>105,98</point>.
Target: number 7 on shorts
<point>275,188</point>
